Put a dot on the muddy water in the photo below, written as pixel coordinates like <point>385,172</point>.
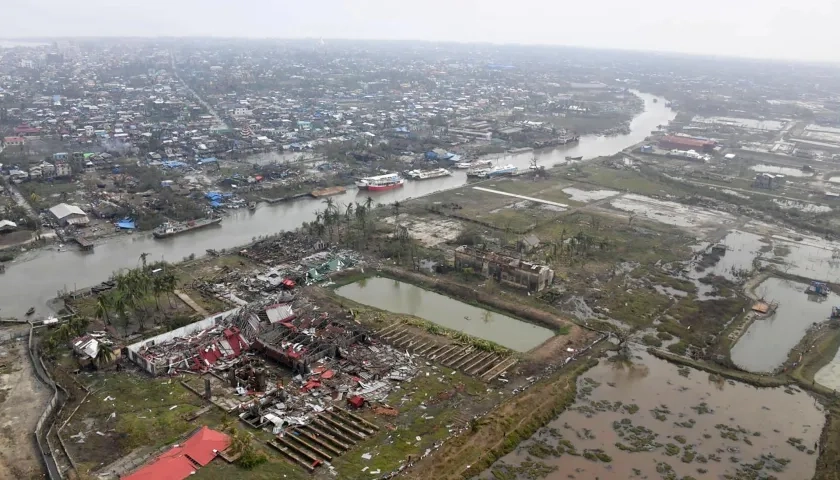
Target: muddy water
<point>405,298</point>
<point>812,257</point>
<point>741,249</point>
<point>677,420</point>
<point>767,342</point>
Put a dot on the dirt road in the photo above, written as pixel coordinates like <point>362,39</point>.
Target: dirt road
<point>22,400</point>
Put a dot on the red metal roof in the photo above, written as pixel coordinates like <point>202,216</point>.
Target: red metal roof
<point>685,141</point>
<point>177,462</point>
<point>203,446</point>
<point>172,465</point>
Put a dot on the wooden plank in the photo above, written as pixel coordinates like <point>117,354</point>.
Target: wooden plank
<point>292,455</point>
<point>342,427</point>
<point>321,433</point>
<point>300,451</point>
<point>349,422</point>
<point>358,418</point>
<point>299,437</point>
<point>322,443</point>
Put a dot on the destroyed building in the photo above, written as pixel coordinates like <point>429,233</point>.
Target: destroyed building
<point>196,346</point>
<point>504,269</point>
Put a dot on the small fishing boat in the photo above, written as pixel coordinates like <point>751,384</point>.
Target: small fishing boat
<point>575,158</point>
<point>252,206</point>
<point>30,311</point>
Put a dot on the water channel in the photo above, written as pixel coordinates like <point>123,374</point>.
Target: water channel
<point>767,342</point>
<point>405,298</point>
<point>648,418</point>
<point>37,278</point>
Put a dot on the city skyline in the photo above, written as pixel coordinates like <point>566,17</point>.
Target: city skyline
<point>771,29</point>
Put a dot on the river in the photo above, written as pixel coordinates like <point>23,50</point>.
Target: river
<point>36,279</point>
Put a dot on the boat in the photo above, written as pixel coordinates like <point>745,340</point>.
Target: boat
<point>498,171</point>
<point>473,165</point>
<point>427,174</point>
<point>252,205</point>
<point>30,311</point>
<point>580,157</point>
<point>379,183</point>
<point>477,172</point>
<point>170,229</point>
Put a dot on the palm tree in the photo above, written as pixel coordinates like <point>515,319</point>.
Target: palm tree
<point>143,259</point>
<point>104,356</point>
<point>369,203</point>
<point>103,305</point>
<point>396,205</point>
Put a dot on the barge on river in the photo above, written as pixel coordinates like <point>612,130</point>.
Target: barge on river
<point>170,229</point>
<point>428,174</point>
<point>379,183</point>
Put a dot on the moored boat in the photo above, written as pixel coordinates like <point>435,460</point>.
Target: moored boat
<point>580,157</point>
<point>427,174</point>
<point>30,311</point>
<point>498,171</point>
<point>380,182</point>
<point>169,229</point>
<point>477,172</point>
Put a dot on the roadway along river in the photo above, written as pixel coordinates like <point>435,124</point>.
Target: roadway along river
<point>34,281</point>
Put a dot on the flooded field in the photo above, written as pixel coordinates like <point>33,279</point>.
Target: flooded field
<point>405,298</point>
<point>767,342</point>
<point>742,248</point>
<point>653,420</point>
<point>791,172</point>
<point>670,213</point>
<point>810,257</point>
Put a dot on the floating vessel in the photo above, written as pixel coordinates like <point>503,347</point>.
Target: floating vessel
<point>473,165</point>
<point>477,172</point>
<point>170,229</point>
<point>574,158</point>
<point>252,205</point>
<point>378,183</point>
<point>30,311</point>
<point>501,170</point>
<point>427,174</point>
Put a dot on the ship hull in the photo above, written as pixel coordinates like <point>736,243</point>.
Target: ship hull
<point>382,188</point>
<point>198,226</point>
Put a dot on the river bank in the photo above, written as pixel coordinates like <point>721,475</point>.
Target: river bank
<point>38,277</point>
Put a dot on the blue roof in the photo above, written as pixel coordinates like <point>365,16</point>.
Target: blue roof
<point>173,164</point>
<point>126,224</point>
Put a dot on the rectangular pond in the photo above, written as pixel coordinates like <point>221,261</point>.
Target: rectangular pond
<point>767,342</point>
<point>405,298</point>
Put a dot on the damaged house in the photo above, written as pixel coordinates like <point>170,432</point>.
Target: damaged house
<point>504,269</point>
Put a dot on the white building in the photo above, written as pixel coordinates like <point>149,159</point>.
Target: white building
<point>63,169</point>
<point>69,214</point>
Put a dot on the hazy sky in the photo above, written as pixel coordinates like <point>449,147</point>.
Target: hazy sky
<point>803,29</point>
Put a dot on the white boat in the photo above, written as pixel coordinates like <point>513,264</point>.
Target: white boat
<point>477,172</point>
<point>501,170</point>
<point>380,182</point>
<point>473,165</point>
<point>427,174</point>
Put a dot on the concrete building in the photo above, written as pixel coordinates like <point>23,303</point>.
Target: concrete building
<point>768,181</point>
<point>62,169</point>
<point>69,214</point>
<point>504,269</point>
